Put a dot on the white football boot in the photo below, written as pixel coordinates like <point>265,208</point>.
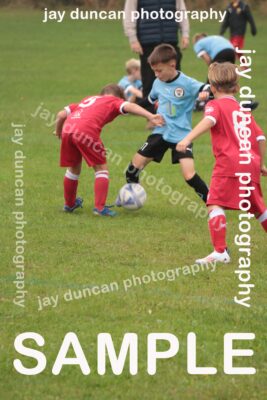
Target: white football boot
<point>215,257</point>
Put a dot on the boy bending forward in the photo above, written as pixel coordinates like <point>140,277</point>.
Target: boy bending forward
<point>79,126</point>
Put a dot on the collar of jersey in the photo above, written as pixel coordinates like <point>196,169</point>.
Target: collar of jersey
<point>174,79</point>
<point>229,97</point>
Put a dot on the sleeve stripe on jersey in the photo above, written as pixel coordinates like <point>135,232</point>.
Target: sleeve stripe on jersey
<point>151,100</point>
<point>67,109</point>
<point>121,107</point>
<point>201,53</point>
<point>261,137</point>
<point>211,118</point>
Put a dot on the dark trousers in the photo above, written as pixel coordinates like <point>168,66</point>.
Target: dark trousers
<point>147,73</point>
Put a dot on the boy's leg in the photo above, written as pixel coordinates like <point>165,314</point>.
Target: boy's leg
<point>135,167</point>
<point>70,155</point>
<point>193,179</point>
<point>152,150</point>
<point>101,186</point>
<point>93,151</point>
<point>71,179</point>
<point>217,228</point>
<point>238,41</point>
<point>258,206</point>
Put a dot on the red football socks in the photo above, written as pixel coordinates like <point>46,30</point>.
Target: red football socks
<point>217,227</point>
<point>70,188</point>
<point>101,189</point>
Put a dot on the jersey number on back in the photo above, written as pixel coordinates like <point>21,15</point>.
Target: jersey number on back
<point>88,102</point>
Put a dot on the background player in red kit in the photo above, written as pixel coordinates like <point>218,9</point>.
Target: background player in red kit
<point>237,16</point>
<point>229,126</point>
<point>79,127</point>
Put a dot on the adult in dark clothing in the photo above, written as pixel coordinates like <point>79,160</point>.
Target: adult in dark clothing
<point>145,34</point>
<point>237,16</point>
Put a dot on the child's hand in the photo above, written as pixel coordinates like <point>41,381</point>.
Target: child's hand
<point>157,120</point>
<point>264,170</point>
<point>182,145</point>
<point>203,96</point>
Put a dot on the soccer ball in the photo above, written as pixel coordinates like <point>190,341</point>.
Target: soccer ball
<point>132,196</point>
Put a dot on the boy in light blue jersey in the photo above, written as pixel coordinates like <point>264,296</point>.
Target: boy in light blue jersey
<point>175,102</point>
<point>213,48</point>
<point>131,83</point>
<point>176,94</point>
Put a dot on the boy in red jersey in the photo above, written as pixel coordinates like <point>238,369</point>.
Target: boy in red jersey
<point>239,149</point>
<point>79,126</point>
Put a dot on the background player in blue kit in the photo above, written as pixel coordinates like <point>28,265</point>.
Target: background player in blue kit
<point>213,48</point>
<point>216,49</point>
<point>131,83</point>
<point>176,94</point>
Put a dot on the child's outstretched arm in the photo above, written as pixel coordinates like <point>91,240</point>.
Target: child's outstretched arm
<point>262,148</point>
<point>61,116</point>
<point>132,108</point>
<point>203,126</point>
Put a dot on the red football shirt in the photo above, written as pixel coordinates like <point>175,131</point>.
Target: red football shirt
<point>234,136</point>
<point>91,114</point>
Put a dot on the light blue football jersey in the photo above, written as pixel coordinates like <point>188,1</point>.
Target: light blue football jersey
<point>212,45</point>
<point>176,101</point>
<point>125,83</point>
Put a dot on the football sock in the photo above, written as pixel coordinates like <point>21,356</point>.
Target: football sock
<point>70,188</point>
<point>217,227</point>
<point>263,220</point>
<point>101,189</point>
<point>132,174</point>
<point>199,186</point>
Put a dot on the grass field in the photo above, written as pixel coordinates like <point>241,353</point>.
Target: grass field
<point>55,64</point>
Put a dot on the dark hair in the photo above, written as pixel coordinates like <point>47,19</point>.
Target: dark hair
<point>162,54</point>
<point>114,90</point>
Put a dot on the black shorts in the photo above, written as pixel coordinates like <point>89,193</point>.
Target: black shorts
<point>155,147</point>
<point>226,55</point>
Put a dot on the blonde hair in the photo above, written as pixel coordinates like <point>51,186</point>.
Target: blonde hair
<point>198,36</point>
<point>131,64</point>
<point>223,77</point>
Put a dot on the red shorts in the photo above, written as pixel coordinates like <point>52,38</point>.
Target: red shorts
<point>75,146</point>
<point>237,41</point>
<point>224,191</point>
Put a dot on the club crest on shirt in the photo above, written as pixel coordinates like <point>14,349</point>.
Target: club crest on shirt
<point>178,92</point>
<point>209,109</point>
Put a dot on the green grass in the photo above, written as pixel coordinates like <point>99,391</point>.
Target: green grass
<point>55,64</point>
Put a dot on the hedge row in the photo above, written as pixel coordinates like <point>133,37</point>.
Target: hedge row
<point>113,4</point>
